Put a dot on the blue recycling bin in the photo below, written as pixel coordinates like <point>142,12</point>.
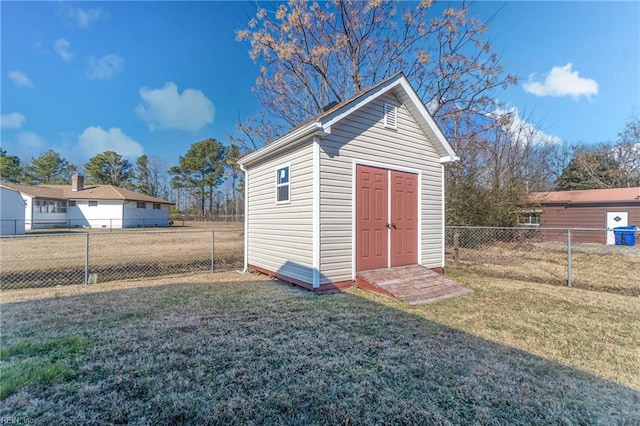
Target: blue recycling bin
<point>629,236</point>
<point>617,232</point>
<point>625,235</point>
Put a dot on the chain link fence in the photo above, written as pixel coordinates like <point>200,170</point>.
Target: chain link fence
<point>595,259</point>
<point>44,260</point>
<point>15,226</point>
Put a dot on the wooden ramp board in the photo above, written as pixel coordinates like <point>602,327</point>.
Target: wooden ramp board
<point>412,284</point>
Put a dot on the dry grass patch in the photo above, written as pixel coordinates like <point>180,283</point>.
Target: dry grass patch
<point>615,273</point>
<point>263,352</point>
<point>49,260</point>
<point>592,331</point>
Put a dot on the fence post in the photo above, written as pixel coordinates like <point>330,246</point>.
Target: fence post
<point>456,246</point>
<point>86,258</point>
<point>212,252</point>
<point>568,257</point>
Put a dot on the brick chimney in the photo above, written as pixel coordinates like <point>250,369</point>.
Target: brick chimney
<point>77,182</point>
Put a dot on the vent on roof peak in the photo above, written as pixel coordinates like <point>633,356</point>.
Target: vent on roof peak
<point>329,106</point>
<point>390,116</point>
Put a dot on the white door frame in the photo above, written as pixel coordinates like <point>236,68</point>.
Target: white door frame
<point>612,223</point>
<point>388,167</point>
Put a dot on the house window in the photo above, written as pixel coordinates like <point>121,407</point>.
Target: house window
<point>390,116</point>
<point>72,203</point>
<point>282,184</point>
<point>529,218</point>
<point>93,204</point>
<point>141,205</point>
<point>156,206</point>
<point>50,206</point>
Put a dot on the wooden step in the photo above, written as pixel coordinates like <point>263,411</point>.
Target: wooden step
<point>413,284</point>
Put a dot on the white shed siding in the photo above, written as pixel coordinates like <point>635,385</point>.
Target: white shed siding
<point>362,136</point>
<point>280,237</point>
<point>12,214</point>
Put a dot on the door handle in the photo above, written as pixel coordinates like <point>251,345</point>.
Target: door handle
<point>391,225</point>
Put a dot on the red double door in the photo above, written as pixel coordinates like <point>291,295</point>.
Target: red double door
<point>386,218</point>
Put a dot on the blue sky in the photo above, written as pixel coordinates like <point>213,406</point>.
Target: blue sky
<point>154,77</point>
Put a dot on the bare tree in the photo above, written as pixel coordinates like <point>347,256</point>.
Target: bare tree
<point>313,53</point>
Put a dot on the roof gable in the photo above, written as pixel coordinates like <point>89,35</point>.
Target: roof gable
<point>322,123</point>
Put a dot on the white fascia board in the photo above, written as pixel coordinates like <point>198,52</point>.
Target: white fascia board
<point>430,122</point>
<point>449,159</point>
<point>311,129</point>
<point>349,109</point>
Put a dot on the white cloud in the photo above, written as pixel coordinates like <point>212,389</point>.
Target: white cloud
<point>95,140</point>
<point>562,81</point>
<point>106,67</point>
<point>61,46</point>
<point>522,130</point>
<point>13,120</point>
<point>167,109</point>
<point>20,79</point>
<point>83,17</point>
<point>29,141</point>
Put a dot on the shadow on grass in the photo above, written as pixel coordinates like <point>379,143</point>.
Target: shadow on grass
<point>265,352</point>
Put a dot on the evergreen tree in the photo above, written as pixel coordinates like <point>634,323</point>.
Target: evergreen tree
<point>10,169</point>
<point>109,168</point>
<point>200,171</point>
<point>49,168</point>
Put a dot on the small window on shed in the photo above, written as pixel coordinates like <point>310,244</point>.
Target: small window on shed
<point>282,184</point>
<point>156,206</point>
<point>93,204</point>
<point>141,205</point>
<point>390,116</point>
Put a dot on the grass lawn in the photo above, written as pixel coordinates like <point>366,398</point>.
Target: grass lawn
<point>607,272</point>
<point>246,350</point>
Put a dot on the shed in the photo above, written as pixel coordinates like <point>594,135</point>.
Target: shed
<point>12,212</point>
<point>588,209</point>
<point>358,187</point>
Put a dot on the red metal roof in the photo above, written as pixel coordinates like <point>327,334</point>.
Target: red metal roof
<point>612,195</point>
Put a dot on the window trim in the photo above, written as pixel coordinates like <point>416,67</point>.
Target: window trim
<point>49,206</point>
<point>287,184</point>
<point>157,206</point>
<point>529,214</point>
<point>388,109</point>
<point>141,203</point>
<point>72,203</point>
<point>93,203</point>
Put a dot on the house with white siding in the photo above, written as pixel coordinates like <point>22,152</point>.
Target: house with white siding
<point>359,187</point>
<point>88,206</point>
<point>12,208</point>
